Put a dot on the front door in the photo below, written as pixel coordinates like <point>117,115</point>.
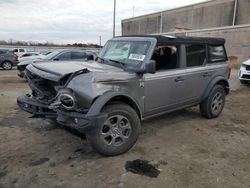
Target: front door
<point>164,90</point>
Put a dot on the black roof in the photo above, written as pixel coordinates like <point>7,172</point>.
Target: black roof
<point>163,39</point>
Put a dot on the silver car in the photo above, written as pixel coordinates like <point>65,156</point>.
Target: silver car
<point>133,79</point>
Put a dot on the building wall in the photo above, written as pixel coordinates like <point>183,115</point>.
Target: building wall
<point>243,15</point>
<point>195,21</point>
<point>216,13</point>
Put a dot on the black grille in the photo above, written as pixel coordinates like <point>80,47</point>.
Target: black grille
<point>246,76</point>
<point>21,68</point>
<point>31,76</point>
<point>248,67</point>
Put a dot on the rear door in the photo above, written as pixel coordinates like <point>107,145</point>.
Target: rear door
<point>197,75</point>
<point>217,61</point>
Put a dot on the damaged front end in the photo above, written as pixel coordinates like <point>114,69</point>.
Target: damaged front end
<point>51,99</point>
<point>43,93</point>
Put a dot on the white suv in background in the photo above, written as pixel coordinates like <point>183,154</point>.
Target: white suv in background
<point>244,74</point>
<point>19,51</point>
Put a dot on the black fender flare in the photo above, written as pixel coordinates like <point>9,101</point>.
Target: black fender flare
<point>99,103</point>
<point>212,83</point>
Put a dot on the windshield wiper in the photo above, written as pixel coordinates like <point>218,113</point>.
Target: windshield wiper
<point>103,60</point>
<point>119,62</point>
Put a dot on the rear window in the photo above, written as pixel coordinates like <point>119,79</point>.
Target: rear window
<point>196,55</point>
<point>217,54</point>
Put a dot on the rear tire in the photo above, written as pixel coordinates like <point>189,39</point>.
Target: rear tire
<point>6,65</point>
<point>214,104</point>
<point>118,133</point>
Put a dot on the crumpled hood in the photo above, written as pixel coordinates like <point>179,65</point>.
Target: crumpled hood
<point>57,70</point>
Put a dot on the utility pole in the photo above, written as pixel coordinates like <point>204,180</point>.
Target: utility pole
<point>235,11</point>
<point>114,18</point>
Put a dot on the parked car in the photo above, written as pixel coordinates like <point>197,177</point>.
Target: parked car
<point>30,58</point>
<point>59,55</point>
<point>27,55</point>
<point>8,59</point>
<point>135,78</point>
<point>19,51</point>
<point>244,74</point>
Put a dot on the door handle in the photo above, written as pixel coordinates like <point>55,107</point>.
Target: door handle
<point>179,79</point>
<point>206,74</point>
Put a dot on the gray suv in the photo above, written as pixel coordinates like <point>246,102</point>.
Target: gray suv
<point>133,79</point>
<point>8,59</point>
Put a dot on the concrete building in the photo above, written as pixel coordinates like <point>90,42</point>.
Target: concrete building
<point>229,19</point>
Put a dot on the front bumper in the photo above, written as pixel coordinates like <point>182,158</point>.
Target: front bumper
<point>244,75</point>
<point>34,107</point>
<point>21,71</point>
<point>79,121</point>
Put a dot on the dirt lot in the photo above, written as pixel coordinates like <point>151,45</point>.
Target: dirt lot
<point>189,151</point>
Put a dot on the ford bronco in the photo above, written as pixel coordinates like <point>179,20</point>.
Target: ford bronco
<point>133,79</point>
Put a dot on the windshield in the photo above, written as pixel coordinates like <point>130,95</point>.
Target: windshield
<point>125,52</point>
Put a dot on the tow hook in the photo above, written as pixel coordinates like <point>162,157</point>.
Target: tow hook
<point>54,105</point>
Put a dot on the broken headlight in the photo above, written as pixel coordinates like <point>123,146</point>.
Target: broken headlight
<point>68,101</point>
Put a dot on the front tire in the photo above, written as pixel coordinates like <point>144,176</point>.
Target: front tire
<point>6,65</point>
<point>118,133</point>
<point>214,104</point>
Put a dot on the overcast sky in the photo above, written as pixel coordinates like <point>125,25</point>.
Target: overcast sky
<point>69,21</point>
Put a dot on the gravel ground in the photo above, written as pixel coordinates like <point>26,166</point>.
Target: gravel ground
<point>187,150</point>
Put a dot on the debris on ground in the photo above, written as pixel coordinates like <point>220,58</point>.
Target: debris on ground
<point>142,167</point>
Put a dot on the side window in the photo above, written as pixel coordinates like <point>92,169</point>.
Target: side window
<point>196,55</point>
<point>21,50</point>
<point>217,54</point>
<point>166,57</point>
<point>78,55</point>
<point>15,50</point>
<point>64,56</point>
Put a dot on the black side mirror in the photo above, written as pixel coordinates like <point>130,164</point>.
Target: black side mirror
<point>56,59</point>
<point>151,67</point>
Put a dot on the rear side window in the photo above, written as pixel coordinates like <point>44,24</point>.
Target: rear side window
<point>21,50</point>
<point>196,55</point>
<point>217,54</point>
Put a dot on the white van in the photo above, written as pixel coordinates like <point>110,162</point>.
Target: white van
<point>19,51</point>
